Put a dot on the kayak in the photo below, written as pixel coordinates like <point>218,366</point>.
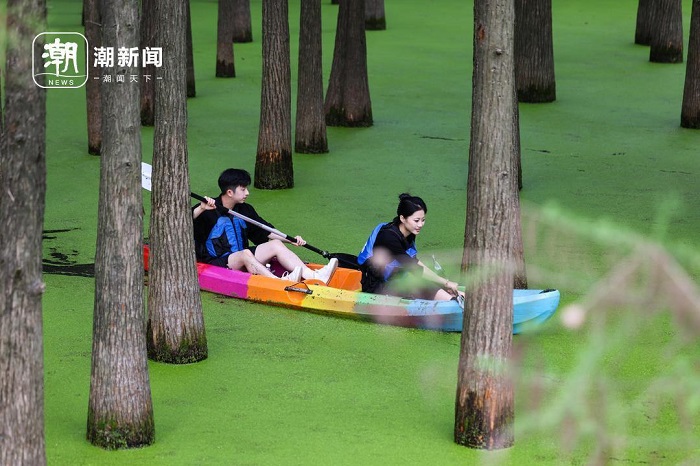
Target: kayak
<point>342,297</point>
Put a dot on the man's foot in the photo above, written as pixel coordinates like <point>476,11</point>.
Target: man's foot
<point>326,273</point>
<point>294,275</point>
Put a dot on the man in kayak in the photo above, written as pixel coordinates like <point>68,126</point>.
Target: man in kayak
<point>389,261</point>
<point>222,239</point>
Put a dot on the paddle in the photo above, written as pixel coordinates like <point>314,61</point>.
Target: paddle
<point>347,261</point>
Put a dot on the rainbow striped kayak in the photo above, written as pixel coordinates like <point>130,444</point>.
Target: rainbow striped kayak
<point>341,297</point>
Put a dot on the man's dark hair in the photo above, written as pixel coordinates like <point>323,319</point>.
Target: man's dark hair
<point>232,178</point>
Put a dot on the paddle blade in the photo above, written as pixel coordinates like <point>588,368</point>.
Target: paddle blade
<point>145,176</point>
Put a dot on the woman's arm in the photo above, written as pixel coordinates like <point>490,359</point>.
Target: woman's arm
<point>448,285</point>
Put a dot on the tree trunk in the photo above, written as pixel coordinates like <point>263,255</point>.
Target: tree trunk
<point>375,17</point>
<point>667,40</point>
<point>120,412</point>
<point>224,41</point>
<point>310,135</point>
<point>23,181</point>
<point>645,22</point>
<point>148,39</point>
<point>175,332</point>
<point>242,28</point>
<point>518,249</point>
<point>92,87</point>
<point>690,112</point>
<point>273,162</point>
<point>191,90</point>
<point>347,100</point>
<point>484,412</point>
<point>534,51</point>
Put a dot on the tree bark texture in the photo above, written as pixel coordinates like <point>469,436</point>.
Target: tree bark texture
<point>518,249</point>
<point>23,184</point>
<point>273,162</point>
<point>347,100</point>
<point>120,411</point>
<point>667,38</point>
<point>690,111</point>
<point>191,88</point>
<point>375,17</point>
<point>534,51</point>
<point>484,411</point>
<point>242,23</point>
<point>92,87</point>
<point>175,331</point>
<point>149,28</point>
<point>645,22</point>
<point>310,136</point>
<point>224,40</point>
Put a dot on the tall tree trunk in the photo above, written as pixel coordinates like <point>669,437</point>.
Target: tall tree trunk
<point>92,87</point>
<point>273,162</point>
<point>534,51</point>
<point>518,249</point>
<point>224,40</point>
<point>120,411</point>
<point>484,411</point>
<point>667,39</point>
<point>148,76</point>
<point>310,135</point>
<point>690,111</point>
<point>242,23</point>
<point>347,100</point>
<point>645,22</point>
<point>191,89</point>
<point>375,17</point>
<point>23,182</point>
<point>175,331</point>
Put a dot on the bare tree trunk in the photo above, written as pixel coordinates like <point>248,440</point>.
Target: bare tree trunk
<point>484,411</point>
<point>518,249</point>
<point>690,112</point>
<point>175,331</point>
<point>148,76</point>
<point>534,51</point>
<point>120,411</point>
<point>242,23</point>
<point>667,39</point>
<point>347,100</point>
<point>23,184</point>
<point>224,41</point>
<point>375,17</point>
<point>92,87</point>
<point>191,89</point>
<point>310,135</point>
<point>645,22</point>
<point>273,162</point>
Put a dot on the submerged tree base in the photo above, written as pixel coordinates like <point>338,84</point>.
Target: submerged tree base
<point>338,117</point>
<point>690,122</point>
<point>191,350</point>
<point>666,55</point>
<point>225,69</point>
<point>537,94</point>
<point>110,434</point>
<point>375,24</point>
<point>274,170</point>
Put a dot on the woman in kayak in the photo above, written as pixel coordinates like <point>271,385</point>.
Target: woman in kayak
<point>389,261</point>
<point>222,239</point>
